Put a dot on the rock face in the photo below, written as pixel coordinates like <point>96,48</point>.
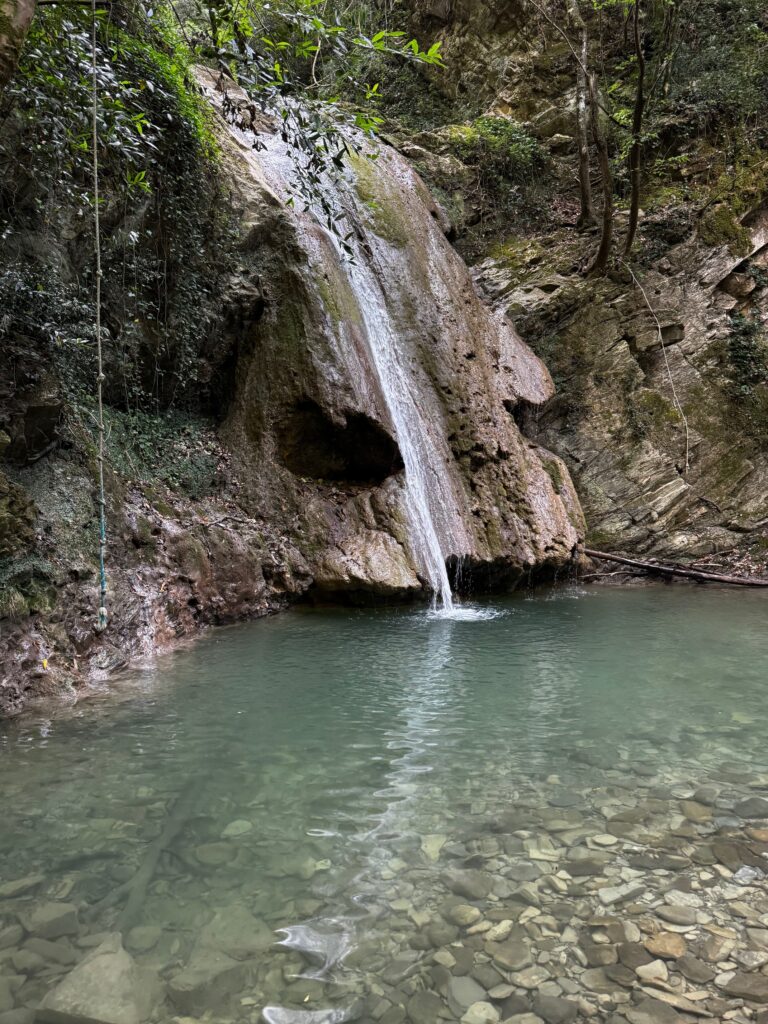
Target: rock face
<point>316,427</point>
<point>662,463</point>
<point>663,434</point>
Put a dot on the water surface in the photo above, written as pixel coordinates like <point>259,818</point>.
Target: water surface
<point>342,761</point>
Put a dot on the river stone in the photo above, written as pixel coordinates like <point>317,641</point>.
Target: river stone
<point>706,795</point>
<point>7,1002</point>
<point>750,959</point>
<point>240,827</point>
<point>754,807</point>
<point>596,980</point>
<point>424,1008</point>
<point>599,954</point>
<point>209,982</point>
<point>26,962</point>
<point>652,1011</point>
<point>431,846</point>
<point>59,952</point>
<point>50,920</point>
<point>18,1016</point>
<point>695,812</point>
<point>530,977</point>
<point>107,987</point>
<point>682,916</point>
<point>619,893</point>
<point>668,945</point>
<point>480,1013</point>
<point>462,914</point>
<point>656,970</point>
<point>633,955</point>
<point>695,970</point>
<point>513,954</point>
<point>143,938</point>
<point>440,933</point>
<point>472,884</point>
<point>554,1010</point>
<point>753,987</point>
<point>214,854</point>
<point>19,886</point>
<point>11,936</point>
<point>462,993</point>
<point>235,931</point>
<point>677,898</point>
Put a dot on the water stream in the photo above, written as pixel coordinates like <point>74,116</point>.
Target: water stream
<point>359,774</point>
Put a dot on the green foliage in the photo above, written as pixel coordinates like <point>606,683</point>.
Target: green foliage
<point>142,89</point>
<point>177,449</point>
<point>504,153</point>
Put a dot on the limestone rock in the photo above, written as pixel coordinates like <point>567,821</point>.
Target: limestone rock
<point>106,987</point>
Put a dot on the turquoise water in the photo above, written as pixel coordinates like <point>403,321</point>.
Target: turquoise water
<point>335,763</point>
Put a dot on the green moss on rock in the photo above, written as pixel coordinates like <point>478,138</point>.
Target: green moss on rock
<point>719,226</point>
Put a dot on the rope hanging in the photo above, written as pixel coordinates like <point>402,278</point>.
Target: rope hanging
<point>100,376</point>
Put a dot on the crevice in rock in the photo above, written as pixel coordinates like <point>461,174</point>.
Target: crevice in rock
<point>357,451</point>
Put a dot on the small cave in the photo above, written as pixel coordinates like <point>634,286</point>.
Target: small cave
<point>360,451</point>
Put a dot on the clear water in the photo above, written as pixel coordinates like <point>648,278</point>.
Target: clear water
<point>368,751</point>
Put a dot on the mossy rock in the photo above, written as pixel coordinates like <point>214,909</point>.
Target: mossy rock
<point>17,518</point>
<point>719,226</point>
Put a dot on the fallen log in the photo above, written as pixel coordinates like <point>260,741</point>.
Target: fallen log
<point>135,889</point>
<point>677,570</point>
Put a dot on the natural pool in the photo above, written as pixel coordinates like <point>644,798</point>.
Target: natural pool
<point>556,808</point>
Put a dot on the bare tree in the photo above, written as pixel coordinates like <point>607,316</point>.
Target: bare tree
<point>636,149</point>
<point>600,262</point>
<point>587,217</point>
<point>15,18</point>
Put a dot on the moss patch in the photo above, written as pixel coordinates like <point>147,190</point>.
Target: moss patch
<point>719,226</point>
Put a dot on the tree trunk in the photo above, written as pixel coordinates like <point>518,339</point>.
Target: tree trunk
<point>636,149</point>
<point>587,217</point>
<point>15,18</point>
<point>606,238</point>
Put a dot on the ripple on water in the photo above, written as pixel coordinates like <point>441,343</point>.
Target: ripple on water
<point>465,613</point>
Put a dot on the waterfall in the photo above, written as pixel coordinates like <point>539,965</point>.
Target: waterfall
<point>431,501</point>
<point>399,336</point>
<point>424,485</point>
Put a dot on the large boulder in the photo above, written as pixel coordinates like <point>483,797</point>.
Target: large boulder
<point>107,987</point>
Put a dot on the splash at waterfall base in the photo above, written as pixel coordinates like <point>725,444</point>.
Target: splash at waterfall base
<point>367,444</point>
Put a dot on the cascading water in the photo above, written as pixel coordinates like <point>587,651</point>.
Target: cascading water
<point>423,482</point>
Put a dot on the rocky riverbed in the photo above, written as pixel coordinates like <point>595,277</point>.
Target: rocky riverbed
<point>615,889</point>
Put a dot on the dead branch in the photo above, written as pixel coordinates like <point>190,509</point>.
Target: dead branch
<point>676,570</point>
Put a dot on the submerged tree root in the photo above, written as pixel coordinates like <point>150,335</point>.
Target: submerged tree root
<point>678,570</point>
<point>135,889</point>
